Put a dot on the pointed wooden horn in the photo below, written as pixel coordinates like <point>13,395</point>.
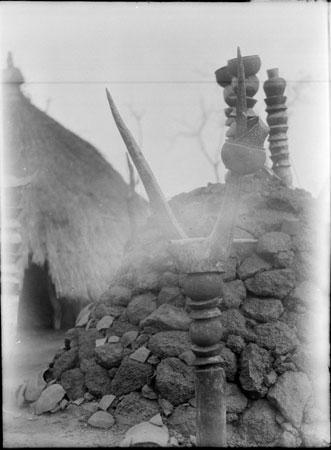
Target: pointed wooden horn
<point>157,200</point>
<point>241,106</point>
<point>221,237</point>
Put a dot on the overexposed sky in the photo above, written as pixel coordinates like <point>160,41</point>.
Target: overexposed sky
<point>160,58</point>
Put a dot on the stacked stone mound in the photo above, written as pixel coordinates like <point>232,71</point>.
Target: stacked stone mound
<point>134,344</point>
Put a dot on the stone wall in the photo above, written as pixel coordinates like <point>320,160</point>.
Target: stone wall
<point>134,342</point>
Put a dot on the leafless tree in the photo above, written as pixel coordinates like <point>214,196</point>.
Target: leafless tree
<point>196,131</point>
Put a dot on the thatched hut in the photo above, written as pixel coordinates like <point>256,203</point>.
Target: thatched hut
<point>74,214</point>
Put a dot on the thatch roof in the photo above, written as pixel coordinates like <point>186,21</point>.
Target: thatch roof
<point>75,212</point>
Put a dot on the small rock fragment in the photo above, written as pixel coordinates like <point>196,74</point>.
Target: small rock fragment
<point>79,401</point>
<point>113,339</point>
<point>148,392</point>
<point>101,419</point>
<point>99,342</point>
<point>105,323</point>
<point>141,354</point>
<point>129,337</point>
<point>106,401</point>
<point>156,420</point>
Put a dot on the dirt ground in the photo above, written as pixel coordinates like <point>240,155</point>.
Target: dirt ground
<point>21,428</point>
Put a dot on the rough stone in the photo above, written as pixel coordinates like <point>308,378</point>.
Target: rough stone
<point>148,392</point>
<point>169,343</point>
<point>68,360</point>
<point>86,363</point>
<point>146,280</point>
<point>272,243</point>
<point>102,310</point>
<point>130,376</point>
<point>258,423</point>
<point>234,293</point>
<point>172,296</point>
<point>234,323</point>
<point>133,408</point>
<point>270,378</point>
<point>272,283</point>
<point>73,383</point>
<point>254,364</point>
<point>175,381</point>
<point>290,395</point>
<point>120,327</point>
<point>166,407</point>
<point>276,336</point>
<point>262,310</point>
<point>146,434</point>
<point>49,398</point>
<point>87,343</point>
<point>169,279</point>
<point>109,355</point>
<point>284,259</point>
<point>97,380</point>
<point>188,357</point>
<point>117,295</point>
<point>235,343</point>
<point>236,401</point>
<point>129,337</point>
<point>253,265</point>
<point>229,362</point>
<point>140,307</point>
<point>101,419</point>
<point>167,317</point>
<point>183,420</point>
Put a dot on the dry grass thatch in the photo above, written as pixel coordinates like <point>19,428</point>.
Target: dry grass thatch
<point>75,213</point>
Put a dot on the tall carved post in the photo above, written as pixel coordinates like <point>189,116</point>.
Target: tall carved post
<point>277,118</point>
<point>203,259</point>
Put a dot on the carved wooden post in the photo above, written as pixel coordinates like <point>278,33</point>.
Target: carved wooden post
<point>203,259</point>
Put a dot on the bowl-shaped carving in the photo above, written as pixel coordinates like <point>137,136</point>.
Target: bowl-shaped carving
<point>252,65</point>
<point>231,100</point>
<point>275,100</point>
<point>223,77</point>
<point>242,159</point>
<point>251,84</point>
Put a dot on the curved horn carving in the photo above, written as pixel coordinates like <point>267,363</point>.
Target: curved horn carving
<point>157,200</point>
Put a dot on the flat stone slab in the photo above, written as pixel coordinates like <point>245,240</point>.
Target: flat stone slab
<point>113,339</point>
<point>146,433</point>
<point>101,419</point>
<point>141,354</point>
<point>129,337</point>
<point>49,398</point>
<point>156,420</point>
<point>106,401</point>
<point>105,323</point>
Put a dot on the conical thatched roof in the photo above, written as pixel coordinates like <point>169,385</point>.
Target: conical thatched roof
<point>75,211</point>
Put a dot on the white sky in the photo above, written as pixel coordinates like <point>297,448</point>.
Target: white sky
<point>161,57</point>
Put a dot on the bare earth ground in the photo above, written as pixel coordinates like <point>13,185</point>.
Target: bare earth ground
<point>21,428</point>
